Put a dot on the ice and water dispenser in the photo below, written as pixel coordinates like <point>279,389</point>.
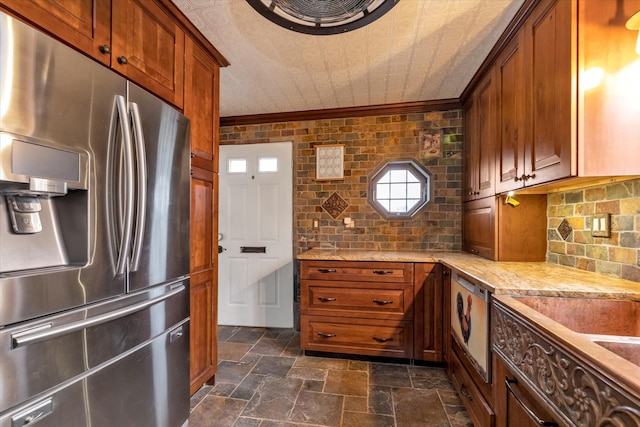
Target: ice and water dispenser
<point>44,209</point>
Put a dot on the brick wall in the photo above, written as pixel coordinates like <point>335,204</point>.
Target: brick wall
<point>617,255</point>
<point>369,142</point>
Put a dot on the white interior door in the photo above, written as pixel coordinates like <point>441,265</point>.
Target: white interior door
<point>255,271</point>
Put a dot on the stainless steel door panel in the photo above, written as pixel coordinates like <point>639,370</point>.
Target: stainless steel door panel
<point>164,247</point>
<point>42,354</point>
<point>119,393</point>
<point>58,95</point>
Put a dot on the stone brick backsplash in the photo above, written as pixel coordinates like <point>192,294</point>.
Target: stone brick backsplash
<point>369,142</point>
<point>617,255</point>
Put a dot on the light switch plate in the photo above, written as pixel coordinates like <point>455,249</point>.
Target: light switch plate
<point>601,225</point>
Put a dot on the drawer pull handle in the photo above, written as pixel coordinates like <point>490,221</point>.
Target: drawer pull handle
<point>382,302</point>
<point>383,339</point>
<point>512,388</point>
<point>326,270</point>
<point>465,393</point>
<point>382,271</point>
<point>324,299</point>
<point>327,335</point>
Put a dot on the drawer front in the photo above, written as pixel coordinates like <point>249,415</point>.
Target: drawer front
<point>357,336</point>
<point>479,410</point>
<point>377,301</point>
<point>388,272</point>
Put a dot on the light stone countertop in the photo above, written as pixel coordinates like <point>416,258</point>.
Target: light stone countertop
<point>501,278</point>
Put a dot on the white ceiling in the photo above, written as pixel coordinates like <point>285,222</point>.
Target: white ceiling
<point>421,50</point>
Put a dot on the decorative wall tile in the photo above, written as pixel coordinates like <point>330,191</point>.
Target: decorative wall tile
<point>335,205</point>
<point>565,229</point>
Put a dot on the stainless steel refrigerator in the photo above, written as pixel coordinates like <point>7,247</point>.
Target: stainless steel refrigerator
<point>94,243</point>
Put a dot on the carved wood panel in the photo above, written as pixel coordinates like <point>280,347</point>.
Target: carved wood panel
<point>574,391</point>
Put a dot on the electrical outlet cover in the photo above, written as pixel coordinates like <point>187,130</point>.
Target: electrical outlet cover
<point>601,225</point>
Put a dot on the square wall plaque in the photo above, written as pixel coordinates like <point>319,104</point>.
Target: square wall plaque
<point>329,162</point>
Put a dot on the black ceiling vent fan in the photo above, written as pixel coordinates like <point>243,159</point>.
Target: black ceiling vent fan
<point>322,17</point>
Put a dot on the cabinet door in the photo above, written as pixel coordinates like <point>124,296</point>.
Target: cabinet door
<point>202,220</point>
<point>204,285</point>
<point>478,227</point>
<point>470,159</point>
<point>479,153</point>
<point>203,329</point>
<point>84,24</point>
<point>486,141</point>
<point>428,321</point>
<point>201,98</point>
<point>511,134</point>
<point>148,48</point>
<point>548,150</point>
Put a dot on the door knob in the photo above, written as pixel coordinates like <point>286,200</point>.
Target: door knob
<point>221,249</point>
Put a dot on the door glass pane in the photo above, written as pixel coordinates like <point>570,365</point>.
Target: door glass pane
<point>237,165</point>
<point>267,164</point>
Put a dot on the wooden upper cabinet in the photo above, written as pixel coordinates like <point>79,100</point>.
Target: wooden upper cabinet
<point>511,117</point>
<point>481,127</point>
<point>550,143</point>
<point>201,99</point>
<point>148,47</point>
<point>470,161</point>
<point>609,106</point>
<point>84,24</point>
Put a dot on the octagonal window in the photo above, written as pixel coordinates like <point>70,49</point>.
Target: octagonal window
<point>399,189</point>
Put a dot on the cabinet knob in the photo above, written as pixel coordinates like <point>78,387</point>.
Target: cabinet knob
<point>105,48</point>
<point>533,175</point>
<point>122,60</point>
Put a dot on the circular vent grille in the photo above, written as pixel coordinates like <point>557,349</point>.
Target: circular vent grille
<point>322,17</point>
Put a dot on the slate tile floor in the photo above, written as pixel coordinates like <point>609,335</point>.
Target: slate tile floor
<point>264,380</point>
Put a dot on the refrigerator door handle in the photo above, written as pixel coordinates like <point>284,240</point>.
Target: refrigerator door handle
<point>141,180</point>
<point>38,334</point>
<point>124,245</point>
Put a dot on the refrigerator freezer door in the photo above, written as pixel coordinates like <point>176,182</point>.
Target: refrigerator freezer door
<point>40,356</point>
<point>161,238</point>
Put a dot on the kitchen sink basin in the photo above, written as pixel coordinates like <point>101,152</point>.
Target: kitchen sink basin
<point>625,347</point>
<point>590,315</point>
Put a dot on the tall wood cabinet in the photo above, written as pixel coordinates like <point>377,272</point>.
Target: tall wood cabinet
<point>201,101</point>
<point>155,46</point>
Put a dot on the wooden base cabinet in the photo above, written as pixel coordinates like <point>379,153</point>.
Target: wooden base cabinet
<point>357,307</point>
<point>428,320</point>
<point>515,406</point>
